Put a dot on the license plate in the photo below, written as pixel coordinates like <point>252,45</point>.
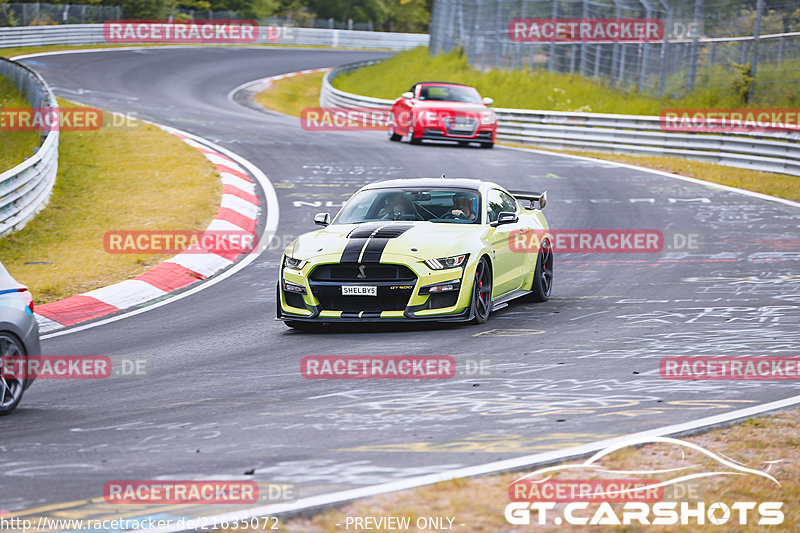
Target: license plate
<point>359,290</point>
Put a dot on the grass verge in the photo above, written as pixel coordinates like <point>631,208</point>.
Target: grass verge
<point>292,95</point>
<point>479,503</point>
<point>17,145</point>
<point>111,179</point>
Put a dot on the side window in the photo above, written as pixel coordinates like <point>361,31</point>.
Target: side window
<point>494,204</point>
<point>509,203</point>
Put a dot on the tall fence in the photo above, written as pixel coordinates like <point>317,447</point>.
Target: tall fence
<point>643,135</point>
<point>25,189</point>
<point>718,42</point>
<point>77,34</point>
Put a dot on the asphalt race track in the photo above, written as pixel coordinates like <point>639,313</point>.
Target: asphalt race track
<point>225,394</point>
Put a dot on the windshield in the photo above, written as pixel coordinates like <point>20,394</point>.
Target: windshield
<point>446,206</point>
<point>450,93</point>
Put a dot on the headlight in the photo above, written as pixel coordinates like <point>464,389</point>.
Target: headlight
<point>488,117</point>
<point>296,264</point>
<point>447,262</point>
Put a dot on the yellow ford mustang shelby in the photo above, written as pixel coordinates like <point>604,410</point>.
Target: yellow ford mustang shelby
<point>417,249</point>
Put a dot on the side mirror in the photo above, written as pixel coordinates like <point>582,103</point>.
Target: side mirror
<point>322,219</point>
<point>488,101</point>
<point>506,217</point>
<point>408,95</point>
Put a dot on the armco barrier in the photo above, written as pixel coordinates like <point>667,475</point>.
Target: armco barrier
<point>80,34</point>
<point>770,152</point>
<point>25,189</point>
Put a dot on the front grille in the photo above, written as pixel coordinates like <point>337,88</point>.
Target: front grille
<point>467,126</point>
<point>371,272</point>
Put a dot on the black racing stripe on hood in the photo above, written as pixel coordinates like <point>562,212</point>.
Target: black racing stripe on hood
<point>352,251</point>
<point>374,250</point>
<point>391,231</point>
<point>372,239</point>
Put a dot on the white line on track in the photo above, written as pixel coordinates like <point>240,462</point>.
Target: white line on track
<point>477,470</point>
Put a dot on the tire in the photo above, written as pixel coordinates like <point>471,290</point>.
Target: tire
<point>482,292</point>
<point>487,145</point>
<point>10,388</point>
<point>543,275</point>
<point>392,135</point>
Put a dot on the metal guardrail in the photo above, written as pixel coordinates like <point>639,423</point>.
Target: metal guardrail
<point>80,34</point>
<point>634,134</point>
<point>25,189</point>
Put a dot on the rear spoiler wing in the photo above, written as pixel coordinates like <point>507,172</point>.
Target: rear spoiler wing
<point>532,197</point>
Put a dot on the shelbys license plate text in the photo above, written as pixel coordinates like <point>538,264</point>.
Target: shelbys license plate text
<point>359,290</point>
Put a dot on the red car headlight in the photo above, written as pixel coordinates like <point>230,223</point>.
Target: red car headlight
<point>488,117</point>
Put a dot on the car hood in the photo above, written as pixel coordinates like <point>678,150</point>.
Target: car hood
<point>447,105</point>
<point>420,240</point>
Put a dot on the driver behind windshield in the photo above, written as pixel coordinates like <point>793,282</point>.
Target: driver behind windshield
<point>463,207</point>
<point>397,207</point>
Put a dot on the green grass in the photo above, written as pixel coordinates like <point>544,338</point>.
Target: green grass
<point>291,95</point>
<point>111,179</point>
<point>525,89</point>
<point>17,145</point>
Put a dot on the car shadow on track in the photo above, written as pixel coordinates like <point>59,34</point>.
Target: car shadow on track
<point>373,327</point>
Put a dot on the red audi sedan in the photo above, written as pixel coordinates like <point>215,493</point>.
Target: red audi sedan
<point>443,111</point>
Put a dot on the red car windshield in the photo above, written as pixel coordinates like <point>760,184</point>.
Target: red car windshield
<point>450,93</point>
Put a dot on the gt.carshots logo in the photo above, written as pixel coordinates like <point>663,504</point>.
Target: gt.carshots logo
<point>586,30</point>
<point>195,31</point>
<point>542,497</point>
